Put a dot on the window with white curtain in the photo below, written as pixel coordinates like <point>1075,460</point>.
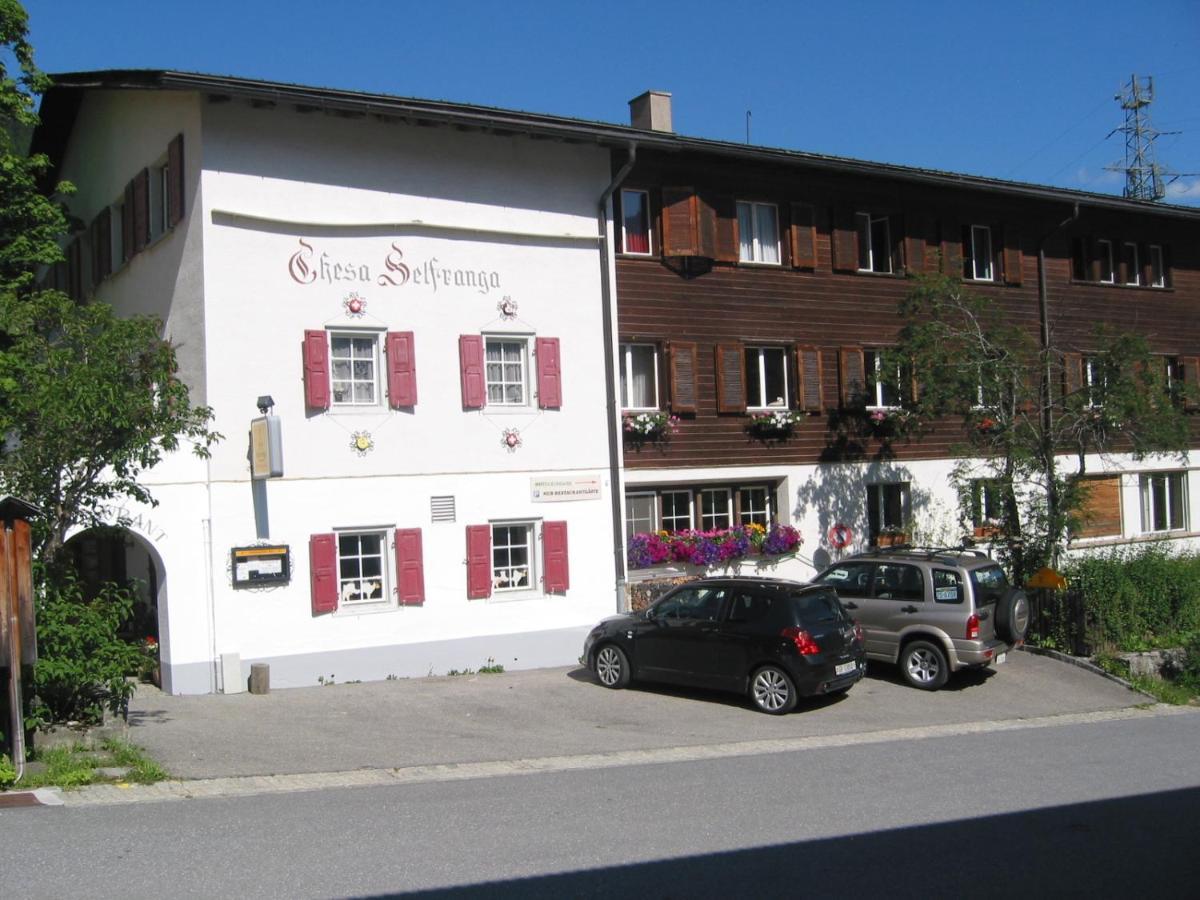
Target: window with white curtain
<point>639,376</point>
<point>507,365</point>
<point>758,232</point>
<point>881,390</point>
<point>354,360</point>
<point>977,261</point>
<point>1104,253</point>
<point>766,378</point>
<point>640,513</point>
<point>1164,501</point>
<point>1158,269</point>
<point>874,243</point>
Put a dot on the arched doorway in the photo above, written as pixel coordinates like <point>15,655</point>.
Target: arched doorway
<point>110,554</point>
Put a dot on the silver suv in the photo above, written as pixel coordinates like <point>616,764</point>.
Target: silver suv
<point>932,611</point>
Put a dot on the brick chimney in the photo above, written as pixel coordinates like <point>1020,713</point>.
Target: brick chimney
<point>651,111</point>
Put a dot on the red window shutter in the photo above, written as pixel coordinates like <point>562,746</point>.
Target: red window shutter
<point>175,179</point>
<point>316,370</point>
<point>731,378</point>
<point>725,228</point>
<point>479,561</point>
<point>1191,380</point>
<point>1013,257</point>
<point>683,376</point>
<point>323,570</point>
<point>1072,373</point>
<point>402,369</point>
<point>554,557</point>
<point>845,240</point>
<point>853,376</point>
<point>470,358</point>
<point>141,210</point>
<point>808,366</point>
<point>410,567</point>
<point>127,224</point>
<point>915,239</point>
<point>680,222</point>
<point>952,247</point>
<point>549,373</point>
<point>804,236</point>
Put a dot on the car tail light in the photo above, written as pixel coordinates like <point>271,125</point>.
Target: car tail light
<point>973,627</point>
<point>803,641</point>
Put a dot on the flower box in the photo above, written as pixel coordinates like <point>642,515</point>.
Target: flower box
<point>711,548</point>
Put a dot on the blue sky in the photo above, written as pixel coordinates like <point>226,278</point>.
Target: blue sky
<point>1019,89</point>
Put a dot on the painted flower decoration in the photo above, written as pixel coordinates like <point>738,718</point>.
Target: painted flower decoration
<point>507,307</point>
<point>362,443</point>
<point>354,305</point>
<point>510,439</point>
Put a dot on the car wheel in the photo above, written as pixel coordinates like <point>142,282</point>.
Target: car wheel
<point>924,665</point>
<point>772,691</point>
<point>612,666</point>
<point>1012,616</point>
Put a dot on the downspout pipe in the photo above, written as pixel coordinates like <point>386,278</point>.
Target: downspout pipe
<point>1048,448</point>
<point>610,378</point>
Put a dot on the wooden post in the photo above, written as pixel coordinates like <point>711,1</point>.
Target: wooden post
<point>18,634</point>
<point>260,678</point>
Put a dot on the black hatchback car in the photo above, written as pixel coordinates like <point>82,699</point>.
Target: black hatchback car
<point>772,639</point>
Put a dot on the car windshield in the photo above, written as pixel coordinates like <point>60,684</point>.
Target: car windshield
<point>989,583</point>
<point>818,608</point>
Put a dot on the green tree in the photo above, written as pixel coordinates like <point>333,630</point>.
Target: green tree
<point>88,400</point>
<point>1023,406</point>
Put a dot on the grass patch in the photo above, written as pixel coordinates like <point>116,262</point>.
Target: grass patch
<point>76,765</point>
<point>1164,690</point>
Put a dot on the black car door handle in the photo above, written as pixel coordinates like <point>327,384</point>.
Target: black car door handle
<point>908,609</point>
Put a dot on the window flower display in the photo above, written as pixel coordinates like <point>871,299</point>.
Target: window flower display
<point>711,548</point>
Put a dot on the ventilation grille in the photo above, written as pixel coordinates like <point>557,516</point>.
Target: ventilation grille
<point>441,509</point>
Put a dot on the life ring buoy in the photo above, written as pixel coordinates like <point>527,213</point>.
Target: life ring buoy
<point>840,536</point>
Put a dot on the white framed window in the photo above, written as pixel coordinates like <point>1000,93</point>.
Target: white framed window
<point>363,568</point>
<point>716,508</point>
<point>354,368</point>
<point>1158,268</point>
<point>758,232</point>
<point>639,376</point>
<point>512,557</point>
<point>754,506</point>
<point>1132,263</point>
<point>986,510</point>
<point>1164,501</point>
<point>881,393</point>
<point>887,507</point>
<point>874,243</point>
<point>1094,380</point>
<point>158,186</point>
<point>640,513</point>
<point>1104,255</point>
<point>978,264</point>
<point>506,364</point>
<point>676,510</point>
<point>635,222</point>
<point>767,378</point>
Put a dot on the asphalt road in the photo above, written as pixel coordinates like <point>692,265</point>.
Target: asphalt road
<point>1103,807</point>
<point>564,712</point>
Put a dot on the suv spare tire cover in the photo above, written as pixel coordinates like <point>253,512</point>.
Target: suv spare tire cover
<point>1012,615</point>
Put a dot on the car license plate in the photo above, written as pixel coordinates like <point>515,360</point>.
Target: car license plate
<point>845,668</point>
<point>1001,657</point>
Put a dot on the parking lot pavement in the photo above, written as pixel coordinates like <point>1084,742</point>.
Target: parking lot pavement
<point>562,712</point>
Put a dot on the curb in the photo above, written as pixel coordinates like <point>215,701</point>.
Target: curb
<point>1087,665</point>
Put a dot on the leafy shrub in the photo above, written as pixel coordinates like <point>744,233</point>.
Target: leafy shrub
<point>8,772</point>
<point>82,660</point>
<point>1138,598</point>
<point>1190,675</point>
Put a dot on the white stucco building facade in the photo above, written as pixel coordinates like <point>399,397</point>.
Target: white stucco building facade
<point>420,292</point>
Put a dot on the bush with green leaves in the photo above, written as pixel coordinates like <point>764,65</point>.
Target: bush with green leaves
<point>1139,598</point>
<point>8,772</point>
<point>82,659</point>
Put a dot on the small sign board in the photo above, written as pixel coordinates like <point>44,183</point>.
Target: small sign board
<point>266,448</point>
<point>554,490</point>
<point>260,566</point>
